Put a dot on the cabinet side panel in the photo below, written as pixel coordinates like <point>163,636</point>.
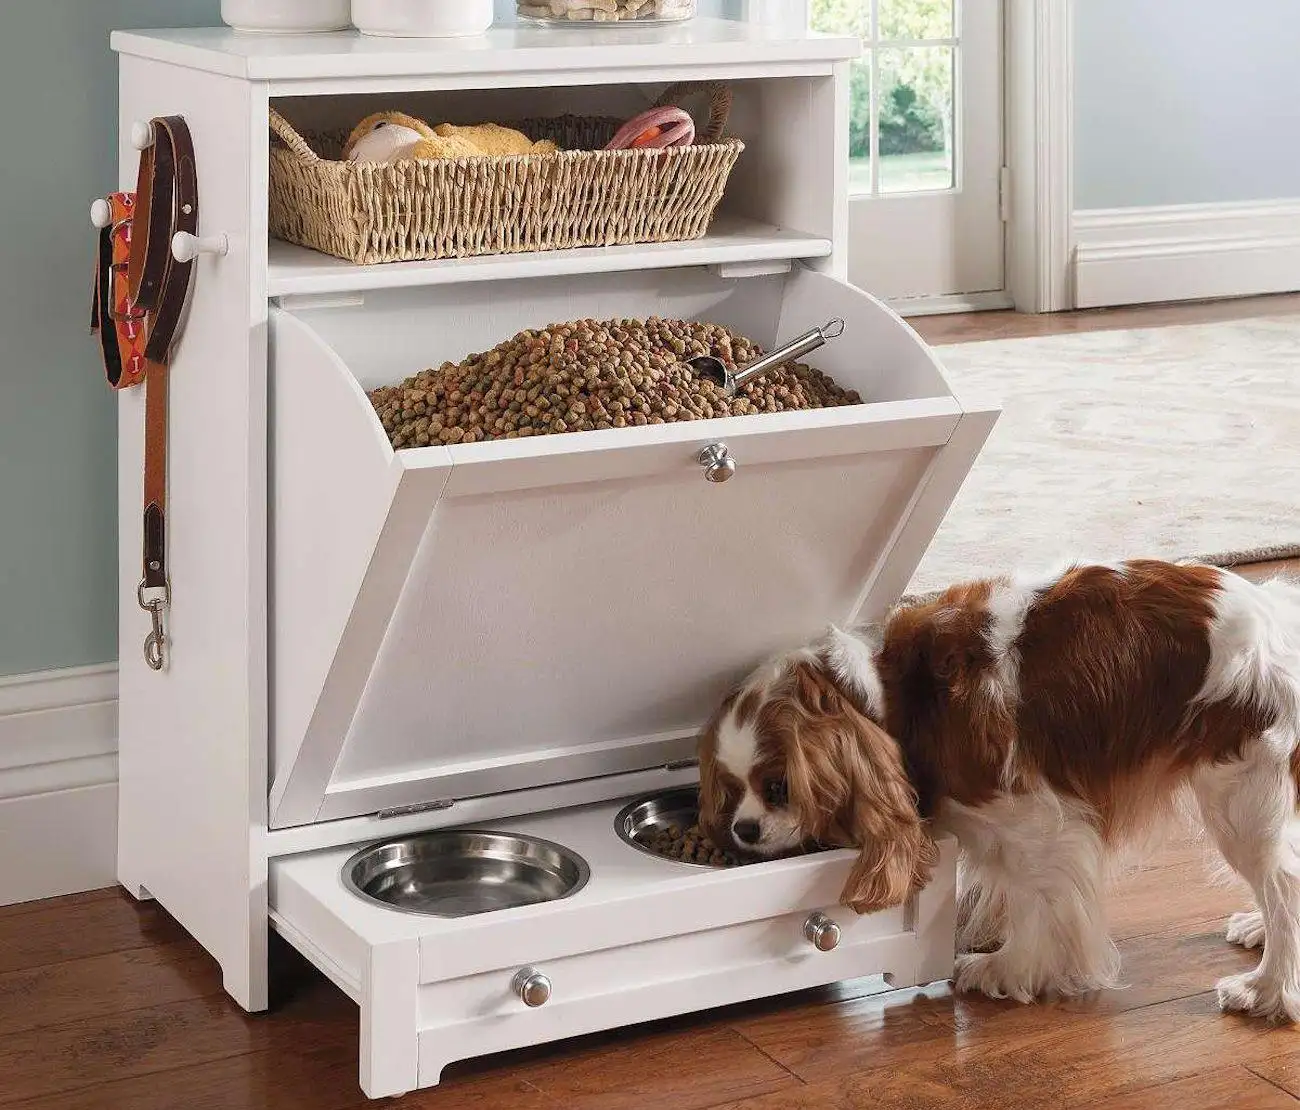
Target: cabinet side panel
<point>193,736</point>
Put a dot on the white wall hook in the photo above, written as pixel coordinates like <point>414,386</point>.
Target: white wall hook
<point>141,135</point>
<point>101,215</point>
<point>187,247</point>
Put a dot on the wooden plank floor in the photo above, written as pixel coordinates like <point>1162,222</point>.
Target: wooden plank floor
<point>106,1004</point>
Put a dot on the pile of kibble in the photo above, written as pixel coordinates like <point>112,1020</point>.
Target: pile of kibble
<point>590,374</point>
<point>689,845</point>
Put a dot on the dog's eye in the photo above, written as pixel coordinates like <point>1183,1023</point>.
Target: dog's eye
<point>776,793</point>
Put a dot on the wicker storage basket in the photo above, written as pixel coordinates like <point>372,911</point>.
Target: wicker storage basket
<point>368,212</point>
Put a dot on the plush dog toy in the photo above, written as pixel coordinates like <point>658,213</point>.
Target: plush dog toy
<point>493,139</point>
<point>395,137</point>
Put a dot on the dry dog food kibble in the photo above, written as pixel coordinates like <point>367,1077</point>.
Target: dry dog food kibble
<point>587,375</point>
<point>691,845</point>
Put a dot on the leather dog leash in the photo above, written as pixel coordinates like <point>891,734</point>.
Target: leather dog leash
<point>146,317</point>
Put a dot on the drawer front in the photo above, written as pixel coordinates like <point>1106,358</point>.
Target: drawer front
<point>623,986</point>
<point>637,944</point>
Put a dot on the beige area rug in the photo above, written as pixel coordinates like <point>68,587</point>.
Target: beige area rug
<point>1166,442</point>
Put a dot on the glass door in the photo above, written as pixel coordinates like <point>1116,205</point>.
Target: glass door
<point>925,131</point>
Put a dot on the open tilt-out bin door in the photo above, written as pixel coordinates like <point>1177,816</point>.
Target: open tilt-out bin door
<point>451,622</point>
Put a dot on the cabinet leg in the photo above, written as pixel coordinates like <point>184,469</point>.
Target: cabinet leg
<point>936,919</point>
<point>246,973</point>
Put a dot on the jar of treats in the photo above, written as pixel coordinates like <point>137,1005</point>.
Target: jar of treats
<point>585,12</point>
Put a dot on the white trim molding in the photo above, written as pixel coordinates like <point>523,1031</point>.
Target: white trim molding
<point>1040,152</point>
<point>58,782</point>
<point>1186,252</point>
<point>957,302</point>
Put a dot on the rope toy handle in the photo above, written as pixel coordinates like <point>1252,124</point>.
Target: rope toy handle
<point>720,98</point>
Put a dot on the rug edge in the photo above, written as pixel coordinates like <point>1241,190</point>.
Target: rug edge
<point>1223,559</point>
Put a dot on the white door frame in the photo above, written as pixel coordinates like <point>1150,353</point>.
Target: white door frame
<point>1040,153</point>
<point>1039,83</point>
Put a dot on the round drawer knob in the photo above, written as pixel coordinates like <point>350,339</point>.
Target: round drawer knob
<point>718,464</point>
<point>822,933</point>
<point>533,988</point>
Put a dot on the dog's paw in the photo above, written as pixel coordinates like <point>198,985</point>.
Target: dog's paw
<point>987,973</point>
<point>1250,993</point>
<point>1246,929</point>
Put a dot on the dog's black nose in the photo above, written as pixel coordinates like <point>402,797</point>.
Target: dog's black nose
<point>747,832</point>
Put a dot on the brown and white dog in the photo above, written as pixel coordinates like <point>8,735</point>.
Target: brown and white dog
<point>1045,725</point>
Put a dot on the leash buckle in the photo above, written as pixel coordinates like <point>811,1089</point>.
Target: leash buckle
<point>154,601</point>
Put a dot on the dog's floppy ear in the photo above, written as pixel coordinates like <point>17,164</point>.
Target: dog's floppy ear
<point>846,776</point>
<point>712,793</point>
<point>896,854</point>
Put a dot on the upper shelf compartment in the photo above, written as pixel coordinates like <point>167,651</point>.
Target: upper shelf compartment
<point>516,53</point>
<point>780,201</point>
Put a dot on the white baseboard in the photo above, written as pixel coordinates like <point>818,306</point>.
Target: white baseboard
<point>1186,252</point>
<point>58,783</point>
<point>948,305</point>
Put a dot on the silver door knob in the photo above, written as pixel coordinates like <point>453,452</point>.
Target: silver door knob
<point>532,987</point>
<point>718,464</point>
<point>822,933</point>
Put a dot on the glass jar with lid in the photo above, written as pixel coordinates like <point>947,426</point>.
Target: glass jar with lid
<point>582,13</point>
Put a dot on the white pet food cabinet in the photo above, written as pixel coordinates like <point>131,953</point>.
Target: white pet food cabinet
<point>365,644</point>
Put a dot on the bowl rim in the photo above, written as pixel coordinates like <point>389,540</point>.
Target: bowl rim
<point>350,884</point>
<point>620,823</point>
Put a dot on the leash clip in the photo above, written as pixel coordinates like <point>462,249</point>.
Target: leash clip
<point>154,606</point>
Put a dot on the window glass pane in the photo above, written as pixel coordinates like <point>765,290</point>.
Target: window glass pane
<point>916,114</point>
<point>845,17</point>
<point>916,19</point>
<point>860,127</point>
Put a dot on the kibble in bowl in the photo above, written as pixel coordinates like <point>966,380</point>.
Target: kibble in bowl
<point>589,375</point>
<point>667,825</point>
<point>688,845</point>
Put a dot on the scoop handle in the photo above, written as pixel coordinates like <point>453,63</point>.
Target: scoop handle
<point>806,343</point>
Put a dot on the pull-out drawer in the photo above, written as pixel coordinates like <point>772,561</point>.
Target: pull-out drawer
<point>482,619</point>
<point>643,939</point>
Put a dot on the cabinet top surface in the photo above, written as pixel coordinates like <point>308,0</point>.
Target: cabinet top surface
<point>506,49</point>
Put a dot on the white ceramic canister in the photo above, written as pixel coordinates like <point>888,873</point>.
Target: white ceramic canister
<point>422,18</point>
<point>286,17</point>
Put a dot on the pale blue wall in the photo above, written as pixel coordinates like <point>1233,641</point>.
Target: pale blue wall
<point>58,495</point>
<point>1186,101</point>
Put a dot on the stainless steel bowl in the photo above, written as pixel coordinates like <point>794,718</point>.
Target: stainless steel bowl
<point>679,806</point>
<point>461,872</point>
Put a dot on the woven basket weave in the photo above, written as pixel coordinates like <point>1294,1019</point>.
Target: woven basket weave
<point>368,212</point>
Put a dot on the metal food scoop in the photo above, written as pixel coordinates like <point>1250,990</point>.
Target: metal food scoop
<point>715,370</point>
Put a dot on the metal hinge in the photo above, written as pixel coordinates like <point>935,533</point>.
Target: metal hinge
<point>1004,193</point>
<point>419,807</point>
